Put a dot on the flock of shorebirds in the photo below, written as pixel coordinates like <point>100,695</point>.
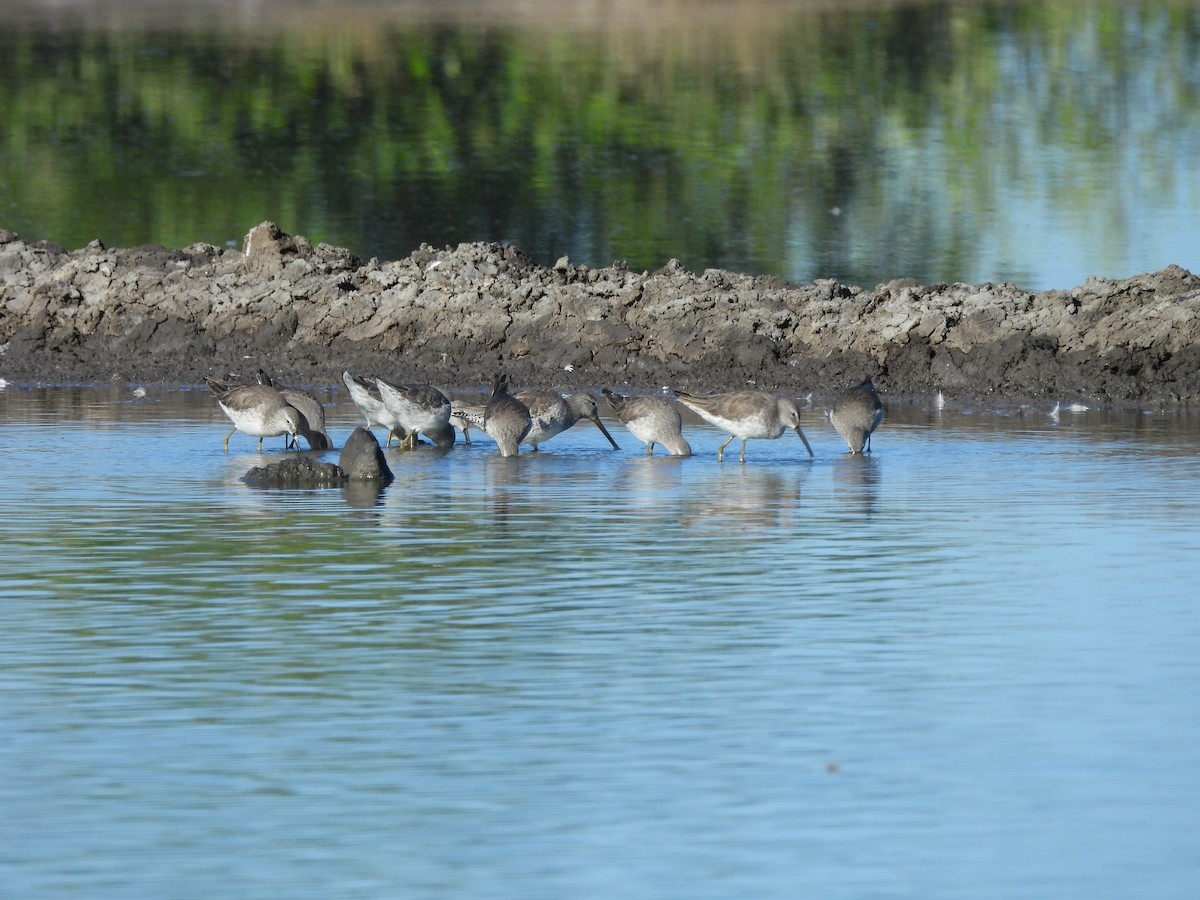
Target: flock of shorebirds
<point>533,417</point>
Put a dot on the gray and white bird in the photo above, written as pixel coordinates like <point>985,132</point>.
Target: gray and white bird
<point>364,391</point>
<point>551,413</point>
<point>257,410</point>
<point>746,415</point>
<point>420,409</point>
<point>312,413</point>
<point>506,419</point>
<point>856,414</point>
<point>652,420</point>
<point>465,416</point>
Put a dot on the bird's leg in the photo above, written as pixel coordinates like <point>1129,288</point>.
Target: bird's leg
<point>227,437</point>
<point>742,457</point>
<point>721,449</point>
<point>260,445</point>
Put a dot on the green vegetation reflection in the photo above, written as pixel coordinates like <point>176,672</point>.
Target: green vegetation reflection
<point>860,144</point>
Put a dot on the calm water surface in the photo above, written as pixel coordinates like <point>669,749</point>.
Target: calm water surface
<point>963,667</point>
<point>1035,141</point>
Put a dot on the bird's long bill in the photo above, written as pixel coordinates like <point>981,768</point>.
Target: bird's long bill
<point>604,431</point>
<point>803,438</point>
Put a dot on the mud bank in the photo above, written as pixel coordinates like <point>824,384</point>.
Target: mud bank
<point>456,316</point>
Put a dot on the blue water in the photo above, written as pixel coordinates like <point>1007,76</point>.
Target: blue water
<point>962,667</point>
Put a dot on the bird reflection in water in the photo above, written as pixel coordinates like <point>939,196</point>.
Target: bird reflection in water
<point>856,480</point>
<point>651,487</point>
<point>506,478</point>
<point>745,498</point>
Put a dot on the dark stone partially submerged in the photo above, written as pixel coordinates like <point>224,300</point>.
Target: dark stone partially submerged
<point>361,461</point>
<point>362,458</point>
<point>456,316</point>
<point>295,472</point>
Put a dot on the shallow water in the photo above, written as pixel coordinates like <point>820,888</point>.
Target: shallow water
<point>962,667</point>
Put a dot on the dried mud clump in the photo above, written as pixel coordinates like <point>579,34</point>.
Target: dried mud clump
<point>296,472</point>
<point>457,315</point>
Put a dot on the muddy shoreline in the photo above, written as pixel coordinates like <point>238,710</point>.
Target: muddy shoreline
<point>456,316</point>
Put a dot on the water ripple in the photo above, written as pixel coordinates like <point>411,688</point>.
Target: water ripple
<point>847,675</point>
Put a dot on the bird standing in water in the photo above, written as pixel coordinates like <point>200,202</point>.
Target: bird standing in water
<point>856,414</point>
<point>420,409</point>
<point>312,413</point>
<point>652,420</point>
<point>364,391</point>
<point>506,419</point>
<point>747,414</point>
<point>257,410</point>
<point>551,413</point>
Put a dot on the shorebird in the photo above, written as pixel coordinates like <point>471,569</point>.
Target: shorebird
<point>257,410</point>
<point>746,414</point>
<point>856,414</point>
<point>506,419</point>
<point>312,413</point>
<point>464,418</point>
<point>652,420</point>
<point>551,413</point>
<point>365,394</point>
<point>420,409</point>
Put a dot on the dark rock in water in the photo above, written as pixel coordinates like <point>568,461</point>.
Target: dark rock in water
<point>296,471</point>
<point>362,458</point>
<point>361,462</point>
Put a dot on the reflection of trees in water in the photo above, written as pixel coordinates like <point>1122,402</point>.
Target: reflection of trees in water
<point>730,148</point>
